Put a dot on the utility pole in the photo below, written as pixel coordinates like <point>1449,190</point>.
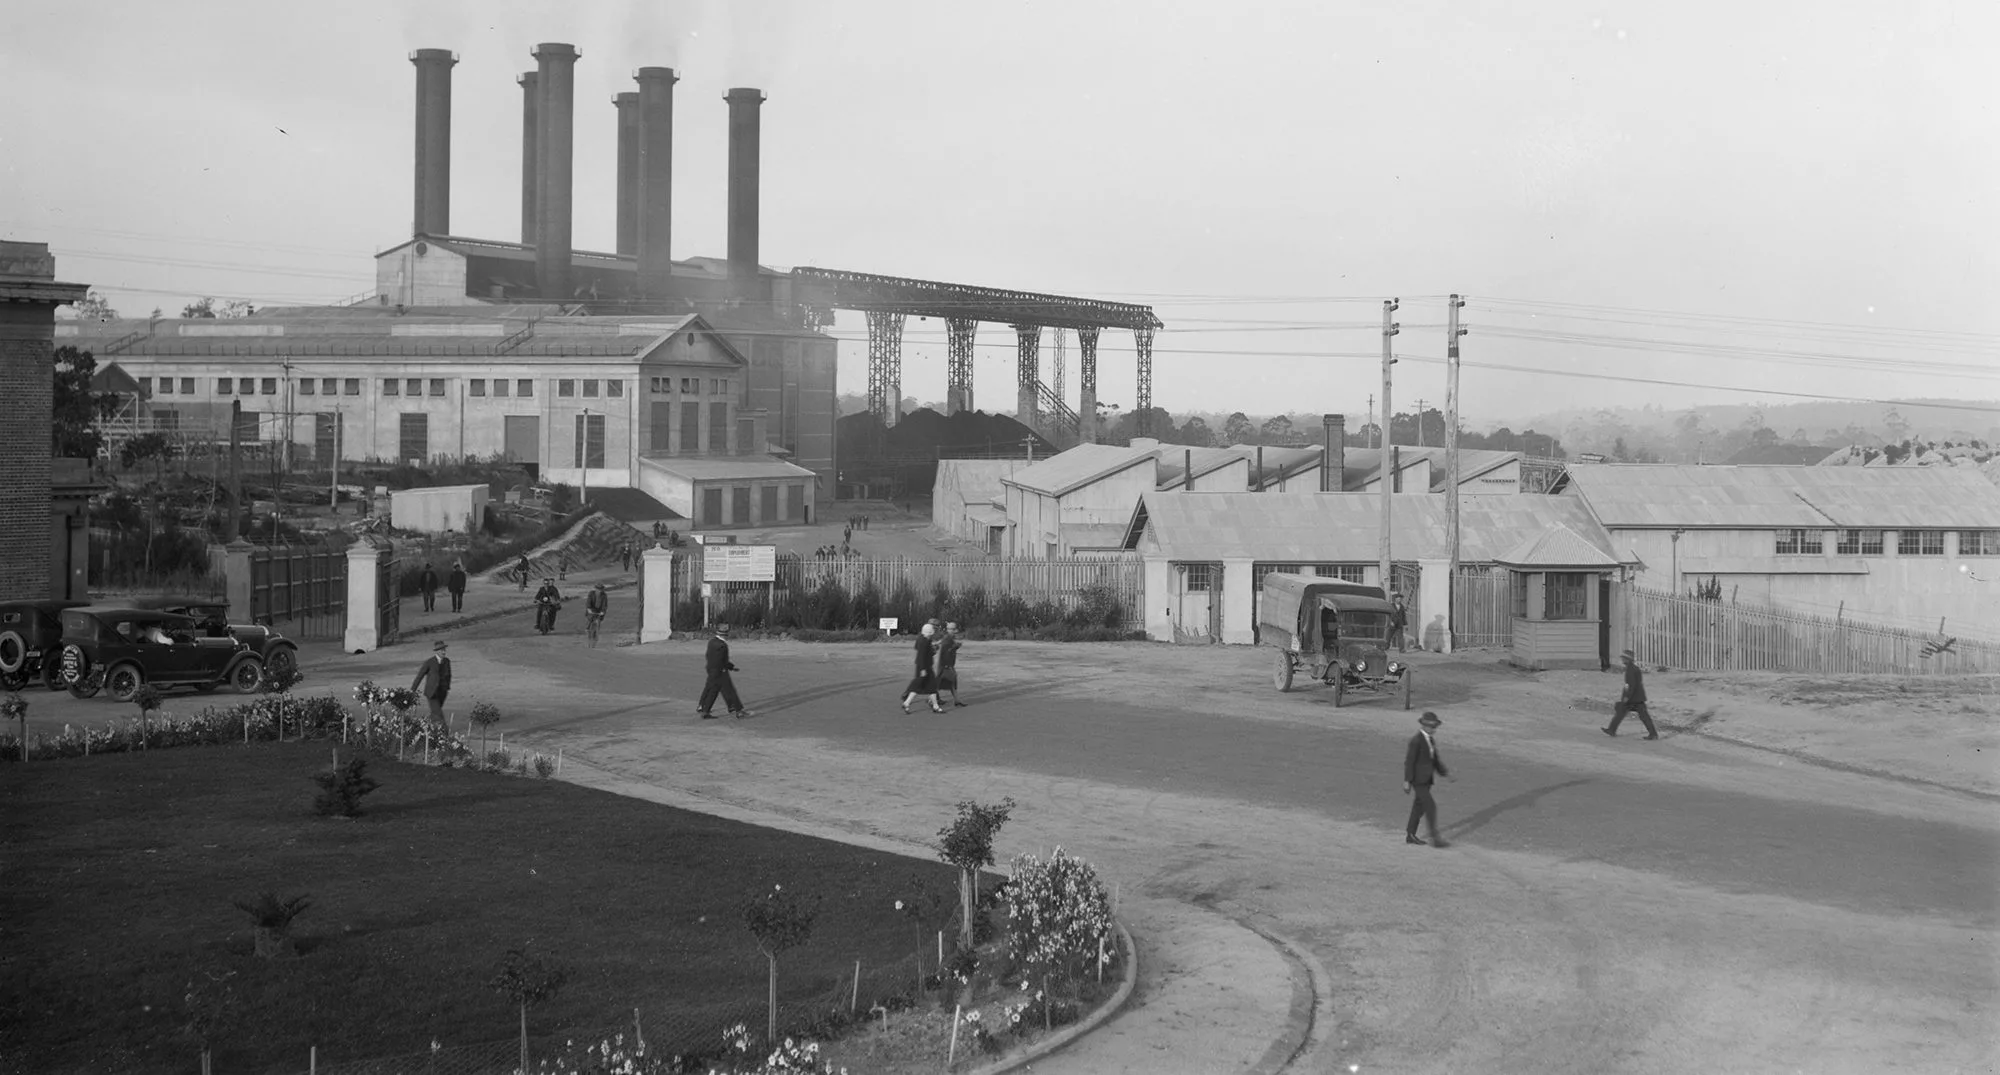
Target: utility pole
<point>333,465</point>
<point>1389,329</point>
<point>1451,467</point>
<point>1420,422</point>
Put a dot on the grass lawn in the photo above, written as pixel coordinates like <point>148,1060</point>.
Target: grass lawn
<point>120,873</point>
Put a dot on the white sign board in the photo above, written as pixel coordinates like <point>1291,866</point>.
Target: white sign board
<point>739,563</point>
<point>886,623</point>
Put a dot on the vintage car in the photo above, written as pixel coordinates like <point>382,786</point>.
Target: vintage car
<point>119,649</point>
<point>212,617</point>
<point>1337,631</point>
<point>30,636</point>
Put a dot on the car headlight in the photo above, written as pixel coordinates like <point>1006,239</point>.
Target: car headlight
<point>1394,667</point>
<point>1361,664</point>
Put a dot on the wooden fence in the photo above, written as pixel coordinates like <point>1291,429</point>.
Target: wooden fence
<point>1689,633</point>
<point>1060,581</point>
<point>1482,608</point>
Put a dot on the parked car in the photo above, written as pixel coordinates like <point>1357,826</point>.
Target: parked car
<point>30,638</point>
<point>1337,631</point>
<point>212,617</point>
<point>119,649</point>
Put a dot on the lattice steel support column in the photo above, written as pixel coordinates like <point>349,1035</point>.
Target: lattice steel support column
<point>1143,339</point>
<point>1056,374</point>
<point>1028,341</point>
<point>885,366</point>
<point>958,363</point>
<point>1086,400</point>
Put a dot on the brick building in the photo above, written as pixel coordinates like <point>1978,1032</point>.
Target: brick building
<point>29,295</point>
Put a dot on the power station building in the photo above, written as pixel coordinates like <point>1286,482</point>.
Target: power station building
<point>701,382</point>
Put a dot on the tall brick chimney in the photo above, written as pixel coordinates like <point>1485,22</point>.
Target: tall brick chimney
<point>531,118</point>
<point>745,114</point>
<point>628,172</point>
<point>555,148</point>
<point>433,171</point>
<point>656,180</point>
<point>1334,463</point>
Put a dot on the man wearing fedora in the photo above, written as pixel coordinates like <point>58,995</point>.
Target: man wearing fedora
<point>1632,700</point>
<point>719,667</point>
<point>434,679</point>
<point>1422,764</point>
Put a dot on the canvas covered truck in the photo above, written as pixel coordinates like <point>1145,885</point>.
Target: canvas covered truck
<point>1336,632</point>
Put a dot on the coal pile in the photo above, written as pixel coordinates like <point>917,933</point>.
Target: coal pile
<point>902,460</point>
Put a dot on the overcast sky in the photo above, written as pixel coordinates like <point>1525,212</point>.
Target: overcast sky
<point>1782,196</point>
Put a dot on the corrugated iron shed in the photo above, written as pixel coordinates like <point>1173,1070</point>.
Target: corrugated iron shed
<point>1346,527</point>
<point>1624,496</point>
<point>1078,467</point>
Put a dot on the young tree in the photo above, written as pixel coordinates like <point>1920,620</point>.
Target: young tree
<point>527,980</point>
<point>780,921</point>
<point>967,843</point>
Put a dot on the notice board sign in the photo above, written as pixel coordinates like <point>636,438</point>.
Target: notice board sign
<point>739,563</point>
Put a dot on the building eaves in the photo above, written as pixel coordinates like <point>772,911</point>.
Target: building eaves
<point>1066,472</point>
<point>1679,496</point>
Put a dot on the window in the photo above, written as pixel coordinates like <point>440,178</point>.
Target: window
<point>1258,571</point>
<point>476,386</point>
<point>146,385</point>
<point>1195,577</point>
<point>614,389</point>
<point>1859,543</point>
<point>524,388</point>
<point>1979,542</point>
<point>1797,543</point>
<point>1344,572</point>
<point>306,386</point>
<point>329,386</point>
<point>413,386</point>
<point>590,440</point>
<point>1520,594</point>
<point>351,386</point>
<point>739,504</point>
<point>187,386</point>
<point>391,386</point>
<point>718,427</point>
<point>500,386</point>
<point>270,386</point>
<point>1568,596</point>
<point>687,384</point>
<point>565,387</point>
<point>590,389</point>
<point>413,440</point>
<point>437,386</point>
<point>1920,543</point>
<point>224,385</point>
<point>690,427</point>
<point>657,385</point>
<point>246,386</point>
<point>166,385</point>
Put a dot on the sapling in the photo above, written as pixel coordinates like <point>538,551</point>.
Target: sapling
<point>780,921</point>
<point>528,980</point>
<point>967,843</point>
<point>484,714</point>
<point>147,698</point>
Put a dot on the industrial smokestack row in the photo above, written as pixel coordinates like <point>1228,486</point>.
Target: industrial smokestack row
<point>655,179</point>
<point>745,109</point>
<point>627,105</point>
<point>555,151</point>
<point>432,215</point>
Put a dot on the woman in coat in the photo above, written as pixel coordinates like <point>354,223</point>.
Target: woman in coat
<point>947,663</point>
<point>924,683</point>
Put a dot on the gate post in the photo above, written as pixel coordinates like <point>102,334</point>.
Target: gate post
<point>1433,604</point>
<point>236,581</point>
<point>656,600</point>
<point>363,634</point>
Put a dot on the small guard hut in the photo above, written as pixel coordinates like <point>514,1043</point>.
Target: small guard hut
<point>1562,595</point>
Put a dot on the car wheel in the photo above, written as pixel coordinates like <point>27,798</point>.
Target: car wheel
<point>13,652</point>
<point>52,674</point>
<point>282,661</point>
<point>83,689</point>
<point>1282,676</point>
<point>123,681</point>
<point>246,676</point>
<point>12,681</point>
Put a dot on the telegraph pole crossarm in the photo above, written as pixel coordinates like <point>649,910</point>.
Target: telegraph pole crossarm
<point>1389,330</point>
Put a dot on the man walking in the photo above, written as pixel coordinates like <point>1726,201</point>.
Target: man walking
<point>522,567</point>
<point>455,582</point>
<point>434,679</point>
<point>1399,621</point>
<point>1632,700</point>
<point>1422,764</point>
<point>719,667</point>
<point>427,584</point>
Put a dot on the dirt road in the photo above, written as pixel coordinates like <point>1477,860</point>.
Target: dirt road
<point>1792,879</point>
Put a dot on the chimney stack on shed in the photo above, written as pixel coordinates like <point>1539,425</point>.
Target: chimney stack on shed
<point>1333,463</point>
<point>745,110</point>
<point>655,180</point>
<point>433,171</point>
<point>555,150</point>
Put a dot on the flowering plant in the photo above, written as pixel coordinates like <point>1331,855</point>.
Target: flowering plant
<point>13,706</point>
<point>791,1056</point>
<point>1058,913</point>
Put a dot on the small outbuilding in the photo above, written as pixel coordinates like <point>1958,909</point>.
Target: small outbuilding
<point>1561,585</point>
<point>440,508</point>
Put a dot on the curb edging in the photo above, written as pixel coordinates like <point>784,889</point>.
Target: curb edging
<point>1103,1014</point>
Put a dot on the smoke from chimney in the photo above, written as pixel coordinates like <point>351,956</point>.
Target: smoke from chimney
<point>556,145</point>
<point>432,215</point>
<point>656,180</point>
<point>745,105</point>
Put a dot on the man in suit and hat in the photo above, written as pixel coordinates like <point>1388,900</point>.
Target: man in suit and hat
<point>719,667</point>
<point>434,679</point>
<point>455,582</point>
<point>1632,700</point>
<point>427,584</point>
<point>1422,764</point>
